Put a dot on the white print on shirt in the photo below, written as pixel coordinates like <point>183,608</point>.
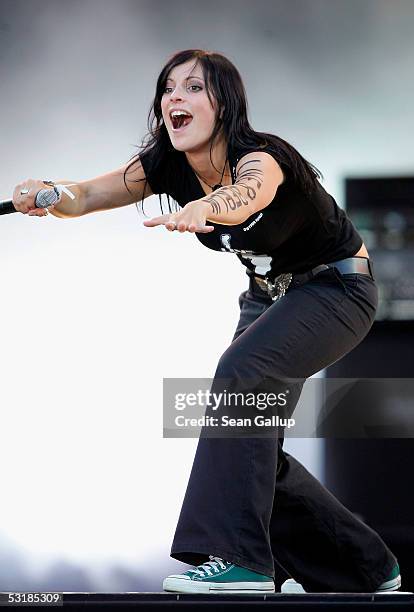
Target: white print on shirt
<point>261,263</point>
<point>225,241</point>
<point>246,229</point>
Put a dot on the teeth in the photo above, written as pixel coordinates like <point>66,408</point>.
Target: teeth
<point>180,114</point>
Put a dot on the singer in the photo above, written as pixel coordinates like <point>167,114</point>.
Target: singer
<point>311,298</point>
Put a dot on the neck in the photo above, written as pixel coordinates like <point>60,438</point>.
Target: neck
<point>201,164</point>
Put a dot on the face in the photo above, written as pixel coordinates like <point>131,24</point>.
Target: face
<point>185,89</point>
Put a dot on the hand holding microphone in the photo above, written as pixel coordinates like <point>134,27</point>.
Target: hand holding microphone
<point>33,198</point>
<point>28,197</point>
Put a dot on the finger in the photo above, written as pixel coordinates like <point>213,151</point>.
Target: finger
<point>206,229</point>
<point>25,202</point>
<point>157,220</point>
<point>170,226</point>
<point>22,201</point>
<point>38,212</point>
<point>153,222</point>
<point>182,226</point>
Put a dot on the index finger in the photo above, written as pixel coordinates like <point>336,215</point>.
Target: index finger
<point>205,229</point>
<point>156,221</point>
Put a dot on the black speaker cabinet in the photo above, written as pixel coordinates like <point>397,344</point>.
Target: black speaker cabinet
<point>373,477</point>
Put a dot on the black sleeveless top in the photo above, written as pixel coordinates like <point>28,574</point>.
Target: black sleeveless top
<point>294,233</point>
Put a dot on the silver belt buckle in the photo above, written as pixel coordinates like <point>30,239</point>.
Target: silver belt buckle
<point>278,288</point>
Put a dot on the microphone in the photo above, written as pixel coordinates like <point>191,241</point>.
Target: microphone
<point>44,198</point>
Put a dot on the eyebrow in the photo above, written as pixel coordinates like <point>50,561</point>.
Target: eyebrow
<point>188,78</point>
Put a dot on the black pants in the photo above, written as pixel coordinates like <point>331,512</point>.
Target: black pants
<point>250,502</point>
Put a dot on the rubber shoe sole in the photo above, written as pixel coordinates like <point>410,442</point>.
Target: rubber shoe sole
<point>291,586</point>
<point>390,585</point>
<point>183,584</point>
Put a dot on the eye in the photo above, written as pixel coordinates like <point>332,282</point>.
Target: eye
<point>167,88</point>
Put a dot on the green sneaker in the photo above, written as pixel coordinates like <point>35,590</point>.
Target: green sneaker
<point>392,583</point>
<point>219,576</point>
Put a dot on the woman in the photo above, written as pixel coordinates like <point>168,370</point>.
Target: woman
<point>248,503</point>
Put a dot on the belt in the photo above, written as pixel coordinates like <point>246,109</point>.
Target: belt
<point>278,287</point>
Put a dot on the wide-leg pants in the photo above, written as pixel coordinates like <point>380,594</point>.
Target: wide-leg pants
<point>250,502</point>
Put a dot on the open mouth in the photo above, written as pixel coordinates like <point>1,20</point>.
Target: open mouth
<point>180,121</point>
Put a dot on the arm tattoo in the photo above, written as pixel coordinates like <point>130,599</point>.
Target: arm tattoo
<point>232,196</point>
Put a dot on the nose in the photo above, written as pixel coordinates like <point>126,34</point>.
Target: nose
<point>176,94</point>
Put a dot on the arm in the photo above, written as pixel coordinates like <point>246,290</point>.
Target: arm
<point>103,192</point>
<point>258,176</point>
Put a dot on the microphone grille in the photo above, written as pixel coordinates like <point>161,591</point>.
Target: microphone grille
<point>46,197</point>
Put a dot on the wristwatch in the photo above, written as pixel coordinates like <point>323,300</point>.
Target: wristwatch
<point>52,184</point>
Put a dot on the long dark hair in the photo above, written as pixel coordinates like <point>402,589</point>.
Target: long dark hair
<point>224,82</point>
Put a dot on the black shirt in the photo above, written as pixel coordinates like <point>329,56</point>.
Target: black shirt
<point>294,233</point>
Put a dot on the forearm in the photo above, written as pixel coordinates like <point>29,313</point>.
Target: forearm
<point>229,205</point>
<point>66,207</point>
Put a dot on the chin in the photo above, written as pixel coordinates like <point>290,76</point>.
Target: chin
<point>186,147</point>
<point>179,146</point>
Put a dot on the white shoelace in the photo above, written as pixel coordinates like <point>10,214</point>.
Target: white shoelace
<point>205,568</point>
